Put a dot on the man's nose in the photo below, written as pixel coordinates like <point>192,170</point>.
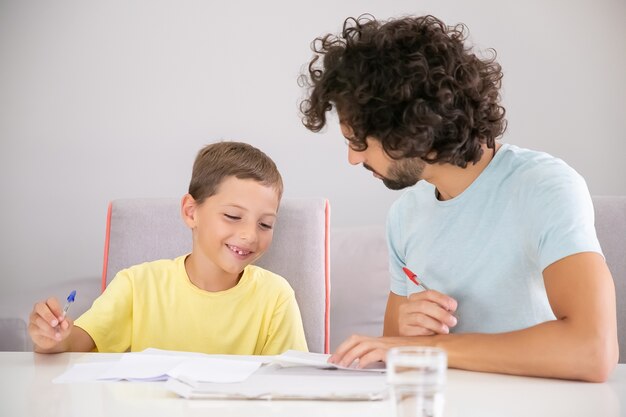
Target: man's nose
<point>354,157</point>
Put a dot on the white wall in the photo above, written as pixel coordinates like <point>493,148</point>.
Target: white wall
<point>111,99</point>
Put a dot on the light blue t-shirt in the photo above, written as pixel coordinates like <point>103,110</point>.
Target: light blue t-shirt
<point>488,246</point>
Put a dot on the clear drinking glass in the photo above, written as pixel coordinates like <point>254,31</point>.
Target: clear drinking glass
<point>417,379</point>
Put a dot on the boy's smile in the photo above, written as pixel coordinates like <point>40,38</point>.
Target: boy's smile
<point>241,252</point>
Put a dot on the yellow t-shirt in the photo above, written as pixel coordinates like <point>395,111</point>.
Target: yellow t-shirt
<point>155,305</point>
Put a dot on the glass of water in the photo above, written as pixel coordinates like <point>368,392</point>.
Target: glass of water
<point>417,379</point>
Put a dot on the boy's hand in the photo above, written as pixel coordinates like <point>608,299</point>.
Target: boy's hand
<point>48,328</point>
<point>427,313</point>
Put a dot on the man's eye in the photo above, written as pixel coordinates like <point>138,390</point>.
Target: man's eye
<point>229,217</point>
<point>355,146</point>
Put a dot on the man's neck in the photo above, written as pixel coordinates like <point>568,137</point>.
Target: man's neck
<point>451,180</point>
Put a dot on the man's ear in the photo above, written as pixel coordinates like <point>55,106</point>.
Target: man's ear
<point>188,207</point>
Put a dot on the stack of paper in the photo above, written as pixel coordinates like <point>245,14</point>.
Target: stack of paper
<point>275,382</point>
<point>292,375</point>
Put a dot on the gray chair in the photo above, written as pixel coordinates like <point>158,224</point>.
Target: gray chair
<point>140,230</point>
<point>611,230</point>
<point>14,335</point>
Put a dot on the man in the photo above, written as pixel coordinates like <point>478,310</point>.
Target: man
<point>504,237</point>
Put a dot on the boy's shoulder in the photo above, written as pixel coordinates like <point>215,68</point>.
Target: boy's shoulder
<point>158,267</point>
<point>267,278</point>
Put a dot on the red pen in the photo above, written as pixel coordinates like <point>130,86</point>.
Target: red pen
<point>413,277</point>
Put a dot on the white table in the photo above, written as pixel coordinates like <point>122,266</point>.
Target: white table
<point>27,390</point>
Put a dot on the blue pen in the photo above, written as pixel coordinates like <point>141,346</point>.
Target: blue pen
<point>70,300</point>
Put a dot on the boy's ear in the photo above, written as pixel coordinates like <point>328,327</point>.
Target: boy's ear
<point>188,207</point>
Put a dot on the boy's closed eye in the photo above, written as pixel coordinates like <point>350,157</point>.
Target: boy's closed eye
<point>266,226</point>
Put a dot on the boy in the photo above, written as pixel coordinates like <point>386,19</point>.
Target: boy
<point>211,300</point>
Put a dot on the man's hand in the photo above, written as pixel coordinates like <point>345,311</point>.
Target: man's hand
<point>426,313</point>
<point>366,349</point>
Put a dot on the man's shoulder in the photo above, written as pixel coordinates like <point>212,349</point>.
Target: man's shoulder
<point>540,183</point>
<point>536,171</point>
<point>531,162</point>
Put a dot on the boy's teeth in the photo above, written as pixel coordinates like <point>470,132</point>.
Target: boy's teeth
<point>237,250</point>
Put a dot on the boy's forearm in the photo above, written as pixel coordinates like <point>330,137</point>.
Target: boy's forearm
<point>61,347</point>
<point>80,341</point>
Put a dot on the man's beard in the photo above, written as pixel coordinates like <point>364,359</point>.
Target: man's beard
<point>403,173</point>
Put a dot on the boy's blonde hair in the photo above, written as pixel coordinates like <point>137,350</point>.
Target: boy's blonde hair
<point>219,160</point>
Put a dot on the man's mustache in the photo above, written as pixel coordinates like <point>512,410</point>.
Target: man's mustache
<point>369,168</point>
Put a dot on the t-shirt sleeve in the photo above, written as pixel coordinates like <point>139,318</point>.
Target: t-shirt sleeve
<point>563,219</point>
<point>286,331</point>
<point>395,246</point>
<point>109,320</point>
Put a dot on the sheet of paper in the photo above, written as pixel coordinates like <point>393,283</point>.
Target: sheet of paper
<point>214,370</point>
<point>320,360</point>
<point>159,367</point>
<point>140,367</point>
<point>82,372</point>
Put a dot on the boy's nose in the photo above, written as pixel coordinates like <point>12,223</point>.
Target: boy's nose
<point>248,234</point>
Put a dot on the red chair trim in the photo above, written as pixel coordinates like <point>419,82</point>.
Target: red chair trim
<point>327,283</point>
<point>106,247</point>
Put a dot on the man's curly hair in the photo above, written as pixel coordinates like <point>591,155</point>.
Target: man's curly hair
<point>409,83</point>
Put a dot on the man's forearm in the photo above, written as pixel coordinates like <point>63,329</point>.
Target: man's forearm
<point>554,349</point>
